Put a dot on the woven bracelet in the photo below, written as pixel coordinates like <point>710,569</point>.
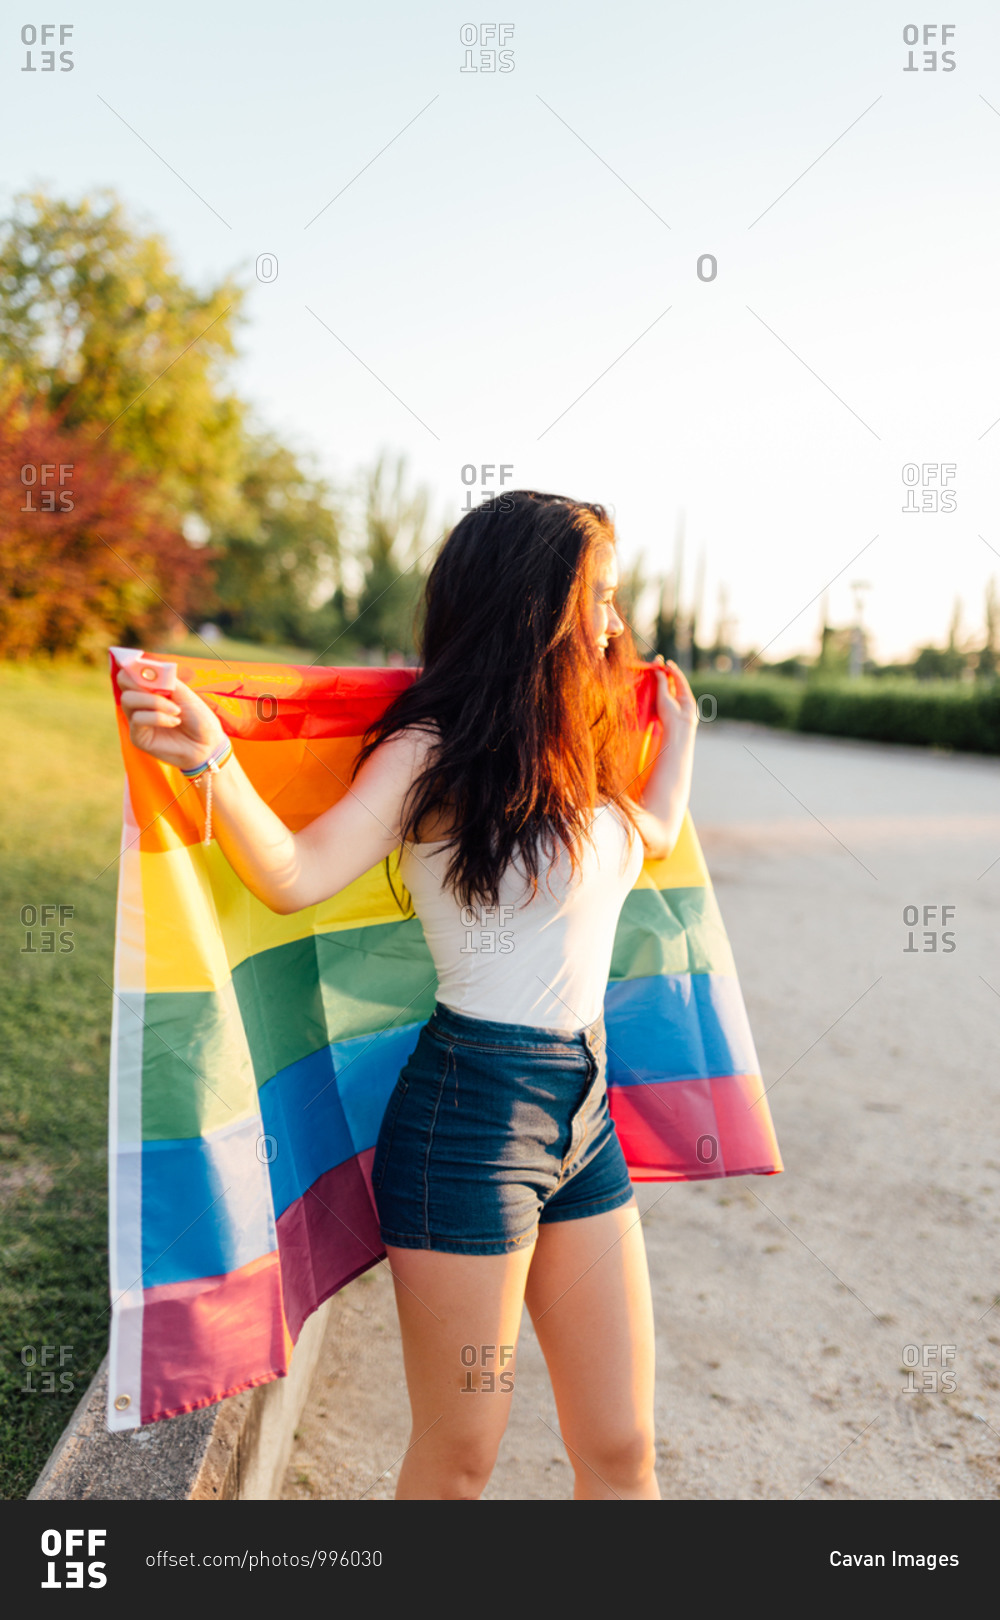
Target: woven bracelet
<point>212,766</point>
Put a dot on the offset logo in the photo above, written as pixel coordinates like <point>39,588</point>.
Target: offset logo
<point>933,480</point>
<point>491,501</point>
<point>64,1568</point>
<point>45,34</point>
<point>488,36</point>
<point>931,35</point>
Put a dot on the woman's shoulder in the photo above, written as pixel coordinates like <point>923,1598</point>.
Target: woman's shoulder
<point>399,758</point>
<point>406,754</point>
<point>415,742</point>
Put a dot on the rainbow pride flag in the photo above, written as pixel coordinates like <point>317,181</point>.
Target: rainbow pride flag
<point>253,1054</point>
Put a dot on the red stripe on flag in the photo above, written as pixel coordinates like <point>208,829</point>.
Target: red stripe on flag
<point>675,1130</point>
<point>210,1338</point>
<point>328,1236</point>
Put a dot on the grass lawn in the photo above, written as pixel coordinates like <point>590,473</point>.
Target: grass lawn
<point>59,834</point>
<point>58,829</point>
<point>192,646</point>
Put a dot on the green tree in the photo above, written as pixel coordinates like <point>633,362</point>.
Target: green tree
<point>280,564</point>
<point>673,629</point>
<point>395,559</point>
<point>97,324</point>
<point>834,656</point>
<point>938,664</point>
<point>633,587</point>
<point>943,663</point>
<point>666,627</point>
<point>986,663</point>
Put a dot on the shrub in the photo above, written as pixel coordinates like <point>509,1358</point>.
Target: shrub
<point>771,701</point>
<point>934,714</point>
<point>938,714</point>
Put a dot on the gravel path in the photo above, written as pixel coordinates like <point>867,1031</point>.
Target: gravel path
<point>790,1308</point>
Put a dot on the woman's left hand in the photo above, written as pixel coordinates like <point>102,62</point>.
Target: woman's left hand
<point>678,707</point>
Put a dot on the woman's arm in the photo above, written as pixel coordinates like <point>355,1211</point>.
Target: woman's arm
<point>285,870</point>
<point>660,814</point>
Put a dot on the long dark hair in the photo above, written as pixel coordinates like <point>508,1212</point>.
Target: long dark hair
<point>532,715</point>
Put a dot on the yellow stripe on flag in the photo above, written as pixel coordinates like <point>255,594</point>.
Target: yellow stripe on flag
<point>201,922</point>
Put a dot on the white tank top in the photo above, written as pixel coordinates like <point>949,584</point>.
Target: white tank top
<point>538,959</point>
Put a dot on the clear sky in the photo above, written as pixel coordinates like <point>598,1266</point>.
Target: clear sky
<point>514,279</point>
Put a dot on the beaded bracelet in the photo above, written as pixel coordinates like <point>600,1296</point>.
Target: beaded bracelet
<point>211,766</point>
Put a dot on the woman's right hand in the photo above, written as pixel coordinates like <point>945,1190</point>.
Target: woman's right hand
<point>179,729</point>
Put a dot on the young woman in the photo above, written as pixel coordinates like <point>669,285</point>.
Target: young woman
<point>498,1176</point>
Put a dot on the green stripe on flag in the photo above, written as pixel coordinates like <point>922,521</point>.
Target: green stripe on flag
<point>670,931</point>
<point>203,1049</point>
<point>196,1071</point>
<point>356,981</point>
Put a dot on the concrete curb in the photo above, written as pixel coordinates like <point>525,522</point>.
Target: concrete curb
<point>235,1450</point>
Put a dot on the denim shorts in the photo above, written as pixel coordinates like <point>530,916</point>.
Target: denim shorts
<point>492,1129</point>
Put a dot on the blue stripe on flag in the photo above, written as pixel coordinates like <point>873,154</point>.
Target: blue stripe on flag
<point>206,1205</point>
<point>677,1026</point>
<point>329,1106</point>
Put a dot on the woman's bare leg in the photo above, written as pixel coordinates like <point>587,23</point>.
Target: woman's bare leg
<point>589,1297</point>
<point>459,1316</point>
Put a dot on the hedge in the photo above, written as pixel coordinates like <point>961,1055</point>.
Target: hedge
<point>934,714</point>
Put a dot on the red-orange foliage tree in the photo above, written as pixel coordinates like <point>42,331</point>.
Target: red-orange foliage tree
<point>89,551</point>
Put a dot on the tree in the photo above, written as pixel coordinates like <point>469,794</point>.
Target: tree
<point>674,630</point>
<point>395,559</point>
<point>944,663</point>
<point>89,556</point>
<point>986,663</point>
<point>938,664</point>
<point>96,322</point>
<point>667,624</point>
<point>630,600</point>
<point>834,658</point>
<point>281,562</point>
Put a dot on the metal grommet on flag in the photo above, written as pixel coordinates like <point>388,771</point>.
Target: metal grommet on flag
<point>122,1402</point>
